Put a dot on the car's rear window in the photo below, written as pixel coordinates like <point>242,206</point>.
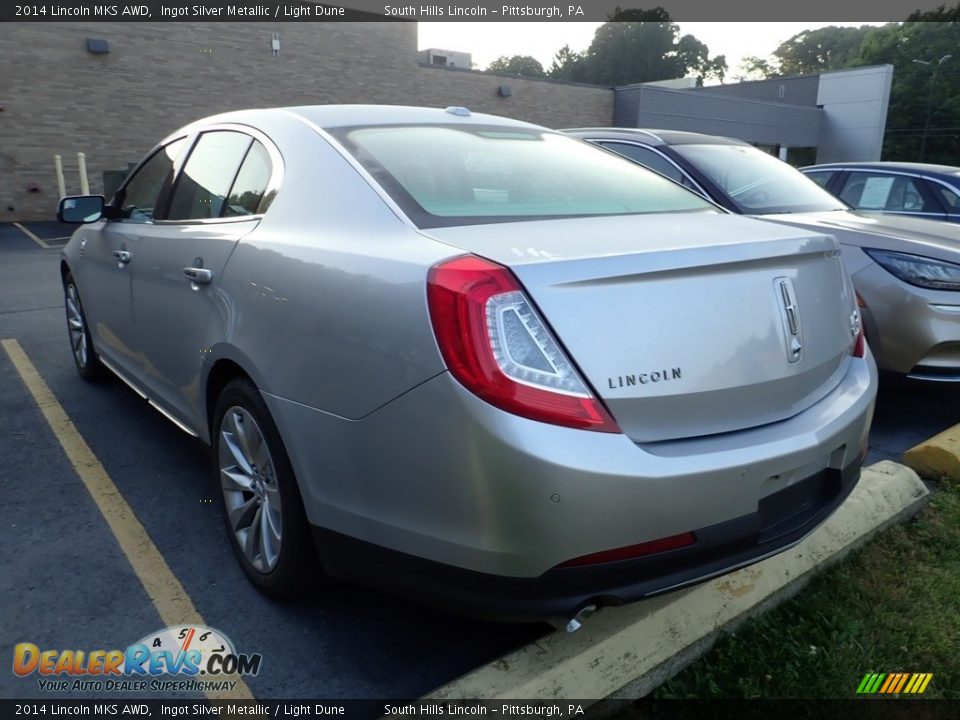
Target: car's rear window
<point>454,175</point>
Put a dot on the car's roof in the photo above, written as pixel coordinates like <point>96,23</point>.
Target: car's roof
<point>333,116</point>
<point>918,168</point>
<point>654,137</point>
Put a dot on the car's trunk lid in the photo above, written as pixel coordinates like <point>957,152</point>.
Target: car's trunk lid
<point>685,325</point>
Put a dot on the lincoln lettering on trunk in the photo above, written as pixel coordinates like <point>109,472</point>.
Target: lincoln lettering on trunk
<point>644,378</point>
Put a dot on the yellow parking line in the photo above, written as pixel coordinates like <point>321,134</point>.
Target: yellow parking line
<point>30,235</point>
<point>161,585</point>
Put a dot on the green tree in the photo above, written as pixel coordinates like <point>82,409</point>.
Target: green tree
<point>638,46</point>
<point>925,95</point>
<point>517,65</point>
<point>826,48</point>
<point>755,68</point>
<point>567,65</point>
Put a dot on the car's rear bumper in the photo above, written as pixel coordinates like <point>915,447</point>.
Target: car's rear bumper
<point>561,593</point>
<point>439,494</point>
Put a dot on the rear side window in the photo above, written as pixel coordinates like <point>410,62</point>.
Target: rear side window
<point>139,197</point>
<point>456,175</point>
<point>203,185</point>
<point>879,191</point>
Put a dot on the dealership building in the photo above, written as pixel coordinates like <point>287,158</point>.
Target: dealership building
<point>112,90</point>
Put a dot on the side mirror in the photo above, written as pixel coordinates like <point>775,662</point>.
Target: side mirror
<point>81,209</point>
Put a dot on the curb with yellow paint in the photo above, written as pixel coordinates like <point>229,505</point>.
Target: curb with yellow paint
<point>938,457</point>
<point>628,651</point>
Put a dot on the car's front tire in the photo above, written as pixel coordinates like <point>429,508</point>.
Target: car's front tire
<point>262,507</point>
<point>81,344</point>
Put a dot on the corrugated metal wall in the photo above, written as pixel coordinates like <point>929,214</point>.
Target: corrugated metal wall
<point>762,122</point>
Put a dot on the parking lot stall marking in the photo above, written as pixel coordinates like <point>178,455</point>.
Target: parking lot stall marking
<point>161,585</point>
<point>32,236</point>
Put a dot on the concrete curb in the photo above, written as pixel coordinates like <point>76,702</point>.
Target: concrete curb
<point>628,651</point>
<point>938,457</point>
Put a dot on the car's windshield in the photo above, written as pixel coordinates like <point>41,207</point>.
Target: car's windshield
<point>442,175</point>
<point>758,183</point>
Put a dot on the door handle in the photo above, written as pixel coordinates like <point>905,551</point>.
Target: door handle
<point>122,256</point>
<point>201,276</point>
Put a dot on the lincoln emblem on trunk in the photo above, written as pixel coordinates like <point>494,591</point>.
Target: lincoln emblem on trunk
<point>791,317</point>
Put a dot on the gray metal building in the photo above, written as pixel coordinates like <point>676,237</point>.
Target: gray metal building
<point>842,113</point>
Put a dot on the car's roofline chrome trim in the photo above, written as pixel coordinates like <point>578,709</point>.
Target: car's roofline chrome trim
<point>355,164</point>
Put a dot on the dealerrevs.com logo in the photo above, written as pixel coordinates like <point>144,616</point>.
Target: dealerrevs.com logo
<point>203,659</point>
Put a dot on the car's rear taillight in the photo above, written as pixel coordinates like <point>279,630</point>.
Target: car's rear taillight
<point>856,327</point>
<point>497,345</point>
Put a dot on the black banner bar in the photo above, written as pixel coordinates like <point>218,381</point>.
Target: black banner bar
<point>851,11</point>
<point>882,709</point>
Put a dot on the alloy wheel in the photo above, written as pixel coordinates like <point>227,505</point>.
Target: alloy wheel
<point>250,489</point>
<point>77,326</point>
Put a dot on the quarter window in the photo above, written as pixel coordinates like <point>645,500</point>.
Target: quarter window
<point>251,183</point>
<point>951,198</point>
<point>820,177</point>
<point>140,196</point>
<point>204,184</point>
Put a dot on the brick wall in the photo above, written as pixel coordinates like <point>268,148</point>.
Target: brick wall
<point>60,99</point>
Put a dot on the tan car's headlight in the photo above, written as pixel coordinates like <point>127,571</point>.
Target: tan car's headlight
<point>917,270</point>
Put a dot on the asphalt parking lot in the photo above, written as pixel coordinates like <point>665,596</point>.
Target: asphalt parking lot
<point>67,582</point>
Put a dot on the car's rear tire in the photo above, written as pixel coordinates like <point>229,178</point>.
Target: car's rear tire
<point>261,502</point>
<point>81,344</point>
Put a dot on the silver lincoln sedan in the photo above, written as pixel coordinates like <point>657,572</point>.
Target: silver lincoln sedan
<point>471,360</point>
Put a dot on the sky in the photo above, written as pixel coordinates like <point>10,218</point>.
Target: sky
<point>488,41</point>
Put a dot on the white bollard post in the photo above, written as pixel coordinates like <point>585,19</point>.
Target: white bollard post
<point>82,166</point>
<point>58,165</point>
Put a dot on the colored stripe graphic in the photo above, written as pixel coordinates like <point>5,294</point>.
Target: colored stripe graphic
<point>894,683</point>
<point>890,682</point>
<point>875,685</point>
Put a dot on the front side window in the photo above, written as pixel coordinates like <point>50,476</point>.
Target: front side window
<point>204,183</point>
<point>757,183</point>
<point>139,197</point>
<point>458,175</point>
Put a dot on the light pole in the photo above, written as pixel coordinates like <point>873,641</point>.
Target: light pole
<point>933,82</point>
